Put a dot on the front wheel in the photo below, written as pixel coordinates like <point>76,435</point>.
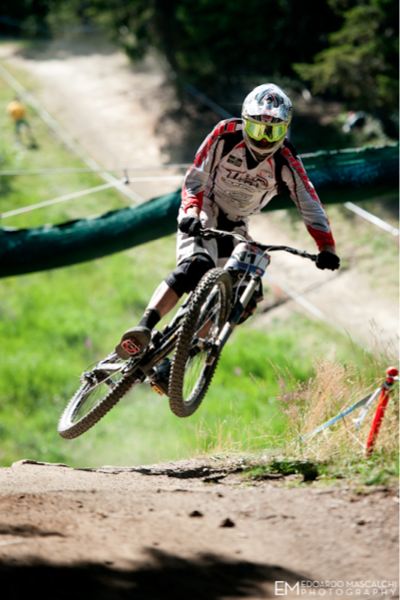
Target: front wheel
<point>101,388</point>
<point>196,355</point>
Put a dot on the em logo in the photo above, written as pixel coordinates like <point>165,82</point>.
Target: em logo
<point>282,588</point>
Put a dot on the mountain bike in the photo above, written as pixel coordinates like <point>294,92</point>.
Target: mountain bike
<point>181,358</point>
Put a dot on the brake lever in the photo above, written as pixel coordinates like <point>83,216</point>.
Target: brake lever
<point>209,233</point>
<point>206,235</point>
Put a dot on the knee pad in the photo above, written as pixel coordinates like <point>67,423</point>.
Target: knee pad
<point>188,273</point>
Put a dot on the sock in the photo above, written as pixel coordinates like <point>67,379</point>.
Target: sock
<point>150,318</point>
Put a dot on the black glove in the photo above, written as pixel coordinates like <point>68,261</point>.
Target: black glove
<point>327,260</point>
<point>190,225</point>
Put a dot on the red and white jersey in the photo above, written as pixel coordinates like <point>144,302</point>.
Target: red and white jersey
<point>225,174</point>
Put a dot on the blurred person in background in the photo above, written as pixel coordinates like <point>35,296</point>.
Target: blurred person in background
<point>17,112</point>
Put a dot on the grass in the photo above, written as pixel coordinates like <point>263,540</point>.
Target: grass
<point>267,389</point>
<point>339,451</point>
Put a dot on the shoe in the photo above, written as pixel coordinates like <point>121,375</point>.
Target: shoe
<point>133,342</point>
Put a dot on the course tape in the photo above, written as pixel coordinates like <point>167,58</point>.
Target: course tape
<point>337,418</point>
<point>382,392</point>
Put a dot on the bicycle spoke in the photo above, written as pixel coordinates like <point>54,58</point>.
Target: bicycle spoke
<point>95,392</point>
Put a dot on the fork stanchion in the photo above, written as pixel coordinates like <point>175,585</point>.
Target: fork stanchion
<point>387,387</point>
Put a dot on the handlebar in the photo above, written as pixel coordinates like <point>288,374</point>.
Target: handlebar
<point>209,233</point>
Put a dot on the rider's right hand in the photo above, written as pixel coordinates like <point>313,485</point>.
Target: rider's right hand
<point>190,225</point>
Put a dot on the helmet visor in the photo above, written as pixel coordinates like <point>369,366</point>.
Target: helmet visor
<point>258,130</point>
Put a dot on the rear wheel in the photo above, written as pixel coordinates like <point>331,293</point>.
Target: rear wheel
<point>101,389</point>
<point>196,355</point>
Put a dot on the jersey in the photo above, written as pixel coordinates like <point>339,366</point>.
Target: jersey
<point>225,175</point>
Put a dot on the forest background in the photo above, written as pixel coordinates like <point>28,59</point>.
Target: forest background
<point>346,50</point>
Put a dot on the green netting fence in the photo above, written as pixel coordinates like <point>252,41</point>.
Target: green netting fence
<point>339,176</point>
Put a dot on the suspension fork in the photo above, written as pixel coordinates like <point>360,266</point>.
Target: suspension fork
<point>237,311</point>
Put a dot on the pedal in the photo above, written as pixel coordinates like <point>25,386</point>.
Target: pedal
<point>160,379</point>
<point>159,388</point>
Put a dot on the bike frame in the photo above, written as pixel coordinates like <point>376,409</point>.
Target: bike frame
<point>199,319</point>
<point>165,341</point>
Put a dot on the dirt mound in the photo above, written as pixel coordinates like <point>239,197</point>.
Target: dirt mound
<point>200,528</point>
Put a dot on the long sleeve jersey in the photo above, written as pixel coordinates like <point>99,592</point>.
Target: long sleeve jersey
<point>224,172</point>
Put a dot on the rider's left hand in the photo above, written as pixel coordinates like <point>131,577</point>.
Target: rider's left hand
<point>327,260</point>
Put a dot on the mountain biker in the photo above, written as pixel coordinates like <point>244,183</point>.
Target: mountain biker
<point>240,166</point>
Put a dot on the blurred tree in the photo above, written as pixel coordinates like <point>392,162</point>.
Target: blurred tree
<point>211,42</point>
<point>360,66</point>
<point>345,49</point>
<point>27,18</point>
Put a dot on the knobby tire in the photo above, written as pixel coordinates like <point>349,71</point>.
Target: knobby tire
<point>68,429</point>
<point>178,405</point>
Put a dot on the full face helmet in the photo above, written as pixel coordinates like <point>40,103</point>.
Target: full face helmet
<point>266,114</point>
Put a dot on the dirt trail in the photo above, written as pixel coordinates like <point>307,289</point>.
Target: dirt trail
<point>195,529</point>
<point>108,109</point>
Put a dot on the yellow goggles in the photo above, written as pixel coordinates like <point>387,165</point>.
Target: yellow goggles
<point>258,130</point>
